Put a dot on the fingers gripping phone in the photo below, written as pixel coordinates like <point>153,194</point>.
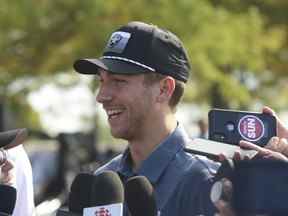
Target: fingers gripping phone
<point>231,126</point>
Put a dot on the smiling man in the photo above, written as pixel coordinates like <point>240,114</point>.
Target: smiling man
<point>142,74</point>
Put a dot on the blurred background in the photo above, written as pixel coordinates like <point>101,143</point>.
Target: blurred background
<point>238,50</point>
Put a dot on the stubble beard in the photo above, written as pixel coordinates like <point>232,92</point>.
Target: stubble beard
<point>132,131</point>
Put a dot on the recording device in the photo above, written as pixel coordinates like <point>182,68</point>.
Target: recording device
<point>212,149</point>
<point>8,200</point>
<point>259,186</point>
<point>139,194</point>
<point>92,195</point>
<point>231,126</point>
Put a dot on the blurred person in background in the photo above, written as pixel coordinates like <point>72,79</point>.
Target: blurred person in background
<point>203,128</point>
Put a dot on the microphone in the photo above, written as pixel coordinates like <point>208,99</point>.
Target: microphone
<point>107,196</point>
<point>79,196</point>
<point>92,195</point>
<point>139,194</point>
<point>8,200</point>
<point>12,138</point>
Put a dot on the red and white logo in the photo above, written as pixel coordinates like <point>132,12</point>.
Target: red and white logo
<point>102,212</point>
<point>251,128</point>
<point>115,209</point>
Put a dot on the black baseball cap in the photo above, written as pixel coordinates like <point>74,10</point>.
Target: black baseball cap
<point>139,48</point>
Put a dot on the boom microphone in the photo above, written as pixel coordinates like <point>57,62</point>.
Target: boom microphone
<point>8,200</point>
<point>107,195</point>
<point>139,194</point>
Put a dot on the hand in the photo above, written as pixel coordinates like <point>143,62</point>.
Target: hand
<point>275,148</point>
<point>7,173</point>
<point>282,131</point>
<point>222,197</point>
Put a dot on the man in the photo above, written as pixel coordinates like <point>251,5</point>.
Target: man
<point>142,74</point>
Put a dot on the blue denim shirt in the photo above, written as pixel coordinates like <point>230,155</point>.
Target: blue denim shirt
<point>181,180</point>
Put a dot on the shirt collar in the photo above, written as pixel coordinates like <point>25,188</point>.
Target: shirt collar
<point>158,160</point>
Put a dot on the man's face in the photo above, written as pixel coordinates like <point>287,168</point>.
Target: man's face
<point>128,103</point>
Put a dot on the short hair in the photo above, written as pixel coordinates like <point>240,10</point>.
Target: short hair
<point>152,77</point>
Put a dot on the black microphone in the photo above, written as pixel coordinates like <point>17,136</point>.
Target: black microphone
<point>7,200</point>
<point>10,139</point>
<point>13,138</point>
<point>79,196</point>
<point>107,195</point>
<point>92,195</point>
<point>139,195</point>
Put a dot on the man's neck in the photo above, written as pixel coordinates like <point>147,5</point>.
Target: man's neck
<point>141,149</point>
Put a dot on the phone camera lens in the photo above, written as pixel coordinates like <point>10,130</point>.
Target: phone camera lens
<point>230,126</point>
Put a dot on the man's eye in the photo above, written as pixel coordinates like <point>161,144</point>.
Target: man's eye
<point>119,81</point>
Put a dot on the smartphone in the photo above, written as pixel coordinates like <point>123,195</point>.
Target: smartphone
<point>231,126</point>
<point>213,149</point>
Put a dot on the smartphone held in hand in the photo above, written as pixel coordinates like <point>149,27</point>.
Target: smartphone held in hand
<point>231,126</point>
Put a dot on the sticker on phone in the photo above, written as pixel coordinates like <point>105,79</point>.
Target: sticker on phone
<point>251,128</point>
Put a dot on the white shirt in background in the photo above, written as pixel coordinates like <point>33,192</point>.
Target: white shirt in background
<point>24,182</point>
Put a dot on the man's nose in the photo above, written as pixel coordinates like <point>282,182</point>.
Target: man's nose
<point>103,97</point>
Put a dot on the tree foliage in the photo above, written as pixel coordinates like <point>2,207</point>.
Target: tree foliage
<point>230,42</point>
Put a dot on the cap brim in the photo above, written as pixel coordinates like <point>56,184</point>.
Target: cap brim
<point>92,66</point>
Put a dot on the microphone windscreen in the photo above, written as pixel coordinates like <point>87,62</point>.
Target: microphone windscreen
<point>139,195</point>
<point>8,199</point>
<point>107,189</point>
<point>80,192</point>
<point>12,138</point>
<point>62,212</point>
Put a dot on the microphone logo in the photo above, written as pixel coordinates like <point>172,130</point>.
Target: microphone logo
<point>102,212</point>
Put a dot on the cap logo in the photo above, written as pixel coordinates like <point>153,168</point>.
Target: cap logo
<point>117,42</point>
<point>251,128</point>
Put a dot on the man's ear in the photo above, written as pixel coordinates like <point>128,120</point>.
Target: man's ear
<point>167,87</point>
